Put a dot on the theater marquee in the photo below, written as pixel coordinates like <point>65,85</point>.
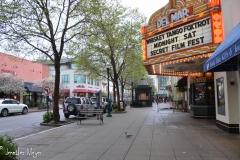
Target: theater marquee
<point>181,36</point>
<point>184,37</point>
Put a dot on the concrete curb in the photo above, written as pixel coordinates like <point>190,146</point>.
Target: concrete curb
<point>52,124</point>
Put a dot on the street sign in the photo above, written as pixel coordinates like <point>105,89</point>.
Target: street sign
<point>46,91</point>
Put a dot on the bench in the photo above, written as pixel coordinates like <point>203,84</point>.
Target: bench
<point>85,112</point>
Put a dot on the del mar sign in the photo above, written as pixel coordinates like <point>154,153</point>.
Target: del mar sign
<point>184,37</point>
<point>173,17</point>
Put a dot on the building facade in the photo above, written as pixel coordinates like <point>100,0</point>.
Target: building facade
<point>178,40</point>
<point>74,83</point>
<point>30,72</point>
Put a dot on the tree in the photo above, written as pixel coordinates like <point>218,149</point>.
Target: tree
<point>50,82</point>
<point>115,42</point>
<point>32,28</point>
<point>11,84</point>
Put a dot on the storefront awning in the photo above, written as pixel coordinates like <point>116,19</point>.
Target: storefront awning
<point>30,88</point>
<point>65,91</point>
<point>181,82</point>
<point>92,91</point>
<point>80,91</point>
<point>224,58</point>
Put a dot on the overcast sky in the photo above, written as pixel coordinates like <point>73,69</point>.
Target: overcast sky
<point>147,7</point>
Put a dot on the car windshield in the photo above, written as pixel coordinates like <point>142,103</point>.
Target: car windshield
<point>72,100</point>
<point>94,100</point>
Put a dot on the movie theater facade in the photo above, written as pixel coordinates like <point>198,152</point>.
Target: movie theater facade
<point>177,41</point>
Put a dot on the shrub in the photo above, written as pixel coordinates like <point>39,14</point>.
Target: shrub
<point>116,110</point>
<point>115,106</point>
<point>47,117</point>
<point>7,148</point>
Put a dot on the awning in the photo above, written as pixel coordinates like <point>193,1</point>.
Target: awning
<point>92,91</point>
<point>30,88</point>
<point>181,82</point>
<point>65,91</point>
<point>80,91</point>
<point>224,58</point>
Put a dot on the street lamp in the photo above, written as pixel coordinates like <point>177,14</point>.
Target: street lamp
<point>109,114</point>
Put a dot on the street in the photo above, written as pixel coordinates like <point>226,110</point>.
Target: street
<point>19,125</point>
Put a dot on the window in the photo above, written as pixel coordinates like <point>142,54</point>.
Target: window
<point>51,68</point>
<point>14,102</point>
<point>79,78</point>
<point>65,79</point>
<point>220,96</point>
<point>89,80</point>
<point>53,76</point>
<point>96,83</point>
<point>73,66</point>
<point>200,93</point>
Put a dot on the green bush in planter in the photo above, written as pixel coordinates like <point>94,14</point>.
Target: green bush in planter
<point>47,117</point>
<point>8,148</point>
<point>115,106</point>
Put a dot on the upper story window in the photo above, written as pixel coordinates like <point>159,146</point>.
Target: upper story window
<point>73,66</point>
<point>89,80</point>
<point>79,78</point>
<point>65,78</point>
<point>51,68</point>
<point>96,83</point>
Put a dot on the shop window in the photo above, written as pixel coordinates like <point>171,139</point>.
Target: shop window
<point>220,96</point>
<point>210,93</point>
<point>200,94</point>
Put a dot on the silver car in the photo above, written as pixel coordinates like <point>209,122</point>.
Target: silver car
<point>72,105</point>
<point>11,106</point>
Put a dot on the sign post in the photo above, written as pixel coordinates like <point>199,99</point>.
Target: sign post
<point>46,93</point>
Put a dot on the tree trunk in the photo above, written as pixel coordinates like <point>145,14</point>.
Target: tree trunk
<point>118,96</point>
<point>114,94</point>
<point>56,115</point>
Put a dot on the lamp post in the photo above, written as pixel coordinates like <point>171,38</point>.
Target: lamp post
<point>109,114</point>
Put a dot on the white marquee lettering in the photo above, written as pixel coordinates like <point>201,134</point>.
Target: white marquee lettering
<point>187,36</point>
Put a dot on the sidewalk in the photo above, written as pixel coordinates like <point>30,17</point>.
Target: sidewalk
<point>162,135</point>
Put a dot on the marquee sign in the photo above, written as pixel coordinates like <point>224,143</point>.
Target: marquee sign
<point>184,37</point>
<point>174,17</point>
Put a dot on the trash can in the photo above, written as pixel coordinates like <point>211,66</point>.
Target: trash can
<point>122,105</point>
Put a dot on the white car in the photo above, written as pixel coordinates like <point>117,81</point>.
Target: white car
<point>9,106</point>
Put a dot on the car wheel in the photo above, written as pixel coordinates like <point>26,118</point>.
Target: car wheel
<point>66,115</point>
<point>71,108</point>
<point>4,112</point>
<point>25,110</point>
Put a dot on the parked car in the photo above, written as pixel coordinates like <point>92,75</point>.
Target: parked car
<point>72,105</point>
<point>103,103</point>
<point>11,106</point>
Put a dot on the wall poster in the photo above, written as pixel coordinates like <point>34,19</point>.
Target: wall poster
<point>220,96</point>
